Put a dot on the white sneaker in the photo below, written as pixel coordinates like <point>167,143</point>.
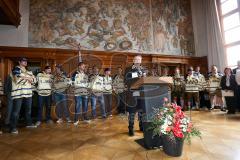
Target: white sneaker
<point>38,123</point>
<point>87,121</point>
<point>76,123</point>
<point>59,121</point>
<point>212,107</point>
<point>69,120</point>
<point>50,121</point>
<point>110,115</point>
<point>31,126</point>
<point>14,131</point>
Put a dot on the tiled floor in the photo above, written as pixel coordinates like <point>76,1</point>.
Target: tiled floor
<point>103,140</point>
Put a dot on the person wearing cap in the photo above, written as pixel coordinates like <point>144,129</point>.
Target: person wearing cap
<point>178,87</point>
<point>202,86</point>
<point>165,72</point>
<point>132,74</point>
<point>60,86</point>
<point>215,92</point>
<point>96,86</point>
<point>89,70</point>
<point>191,89</point>
<point>81,84</point>
<point>44,90</point>
<point>119,88</point>
<point>22,81</point>
<point>107,91</point>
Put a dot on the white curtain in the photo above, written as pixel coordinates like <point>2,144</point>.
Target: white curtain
<point>207,32</point>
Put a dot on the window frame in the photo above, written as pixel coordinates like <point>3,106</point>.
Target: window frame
<point>221,17</point>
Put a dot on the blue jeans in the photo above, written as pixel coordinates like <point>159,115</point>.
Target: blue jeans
<point>17,103</point>
<point>100,99</point>
<point>9,109</point>
<point>81,103</point>
<point>121,107</point>
<point>108,103</point>
<point>44,100</point>
<point>61,105</point>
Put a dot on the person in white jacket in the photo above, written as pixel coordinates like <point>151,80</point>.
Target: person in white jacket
<point>81,84</point>
<point>22,81</point>
<point>44,90</point>
<point>60,86</point>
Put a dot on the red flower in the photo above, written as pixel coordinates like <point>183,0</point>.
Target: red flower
<point>178,134</point>
<point>168,129</point>
<point>189,130</point>
<point>190,124</point>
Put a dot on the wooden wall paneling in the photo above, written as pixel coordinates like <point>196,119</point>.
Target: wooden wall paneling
<point>2,68</point>
<point>69,58</point>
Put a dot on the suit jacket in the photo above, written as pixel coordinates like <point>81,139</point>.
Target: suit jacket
<point>233,84</point>
<point>128,76</point>
<point>133,103</point>
<point>234,70</point>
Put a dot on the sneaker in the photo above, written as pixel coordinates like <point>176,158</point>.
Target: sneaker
<point>68,120</point>
<point>223,110</point>
<point>110,115</point>
<point>194,108</point>
<point>38,123</point>
<point>212,107</point>
<point>76,123</point>
<point>50,121</point>
<point>87,121</point>
<point>31,126</point>
<point>14,131</point>
<point>104,117</point>
<point>59,121</point>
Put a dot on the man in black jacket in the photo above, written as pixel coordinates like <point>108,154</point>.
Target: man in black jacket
<point>132,74</point>
<point>236,72</point>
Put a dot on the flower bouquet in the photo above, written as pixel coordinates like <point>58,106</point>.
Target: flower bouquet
<point>174,127</point>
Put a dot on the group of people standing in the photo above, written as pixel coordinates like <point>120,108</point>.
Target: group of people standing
<point>84,87</point>
<point>87,86</point>
<point>196,91</point>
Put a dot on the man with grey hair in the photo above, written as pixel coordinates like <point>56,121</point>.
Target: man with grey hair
<point>236,72</point>
<point>132,74</point>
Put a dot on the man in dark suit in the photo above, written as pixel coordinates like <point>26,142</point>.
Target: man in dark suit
<point>132,74</point>
<point>236,72</point>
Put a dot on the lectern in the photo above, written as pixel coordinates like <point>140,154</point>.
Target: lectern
<point>152,90</point>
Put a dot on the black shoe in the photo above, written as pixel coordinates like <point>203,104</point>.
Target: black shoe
<point>223,110</point>
<point>230,112</point>
<point>131,132</point>
<point>141,128</point>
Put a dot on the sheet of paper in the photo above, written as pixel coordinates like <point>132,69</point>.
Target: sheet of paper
<point>134,75</point>
<point>227,93</point>
<point>136,94</point>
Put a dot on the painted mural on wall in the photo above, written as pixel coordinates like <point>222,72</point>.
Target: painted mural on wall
<point>133,25</point>
<point>172,27</point>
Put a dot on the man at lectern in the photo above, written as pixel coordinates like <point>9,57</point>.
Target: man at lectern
<point>132,74</point>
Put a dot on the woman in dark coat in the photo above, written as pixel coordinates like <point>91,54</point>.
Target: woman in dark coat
<point>228,83</point>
